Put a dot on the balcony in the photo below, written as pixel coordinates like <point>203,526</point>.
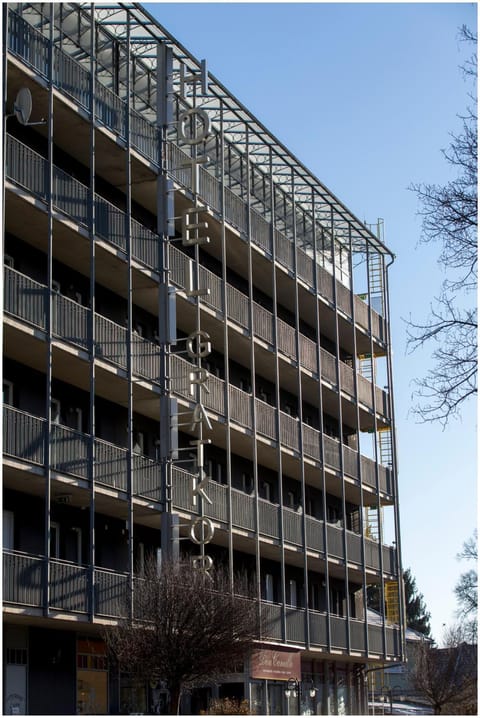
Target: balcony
<point>273,522</point>
<point>25,299</point>
<point>73,80</point>
<point>80,590</point>
<point>29,170</point>
<point>24,439</point>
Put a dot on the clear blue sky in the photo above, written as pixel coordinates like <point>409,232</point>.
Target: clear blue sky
<point>365,95</point>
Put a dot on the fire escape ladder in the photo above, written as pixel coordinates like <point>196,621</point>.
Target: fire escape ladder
<point>375,277</point>
<point>371,523</point>
<point>385,447</point>
<point>366,366</point>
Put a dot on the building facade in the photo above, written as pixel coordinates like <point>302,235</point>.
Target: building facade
<point>197,360</point>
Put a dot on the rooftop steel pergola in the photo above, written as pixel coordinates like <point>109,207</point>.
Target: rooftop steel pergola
<point>131,22</point>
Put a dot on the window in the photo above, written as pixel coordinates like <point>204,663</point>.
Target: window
<point>56,286</point>
<point>8,524</point>
<point>268,587</point>
<point>8,261</point>
<point>54,540</point>
<point>7,392</point>
<point>292,592</point>
<point>336,601</point>
<point>140,559</point>
<point>139,442</point>
<point>76,536</point>
<point>247,483</point>
<point>290,500</point>
<point>266,492</point>
<point>74,419</point>
<point>262,394</point>
<point>314,590</point>
<point>55,411</point>
<point>246,386</point>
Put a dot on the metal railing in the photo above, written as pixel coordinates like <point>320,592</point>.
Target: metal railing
<point>74,80</point>
<point>29,169</point>
<point>25,299</point>
<point>70,584</point>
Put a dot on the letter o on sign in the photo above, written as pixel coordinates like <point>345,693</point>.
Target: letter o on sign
<point>201,530</point>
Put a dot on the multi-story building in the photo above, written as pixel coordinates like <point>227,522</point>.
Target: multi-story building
<point>230,395</point>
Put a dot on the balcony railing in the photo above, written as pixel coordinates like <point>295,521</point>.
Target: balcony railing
<point>73,588</point>
<point>26,299</point>
<point>269,522</point>
<point>24,439</point>
<point>73,79</point>
<point>29,169</point>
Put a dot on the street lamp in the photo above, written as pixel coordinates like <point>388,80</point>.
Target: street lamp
<point>292,687</point>
<point>300,689</point>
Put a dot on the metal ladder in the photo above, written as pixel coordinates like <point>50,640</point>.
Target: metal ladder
<point>371,523</point>
<point>366,366</point>
<point>385,447</point>
<point>375,271</point>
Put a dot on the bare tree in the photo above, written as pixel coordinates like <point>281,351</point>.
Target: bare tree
<point>187,629</point>
<point>466,590</point>
<point>450,217</point>
<point>447,677</point>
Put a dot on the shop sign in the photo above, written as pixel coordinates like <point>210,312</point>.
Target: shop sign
<point>275,665</point>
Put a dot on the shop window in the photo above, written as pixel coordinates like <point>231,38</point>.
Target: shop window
<point>92,677</point>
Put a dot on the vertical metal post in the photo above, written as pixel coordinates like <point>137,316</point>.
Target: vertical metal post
<point>340,426</point>
<point>298,349</point>
<point>49,326</point>
<point>359,461</point>
<point>321,422</point>
<point>401,587</point>
<point>277,398</point>
<point>130,351</point>
<point>377,458</point>
<point>91,327</point>
<point>251,322</point>
<point>226,353</point>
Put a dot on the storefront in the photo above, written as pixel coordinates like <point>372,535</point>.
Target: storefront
<point>272,673</point>
<point>282,684</point>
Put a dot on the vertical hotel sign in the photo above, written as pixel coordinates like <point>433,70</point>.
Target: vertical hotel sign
<point>193,128</point>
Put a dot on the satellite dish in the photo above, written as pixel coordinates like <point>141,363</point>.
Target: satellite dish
<point>23,105</point>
